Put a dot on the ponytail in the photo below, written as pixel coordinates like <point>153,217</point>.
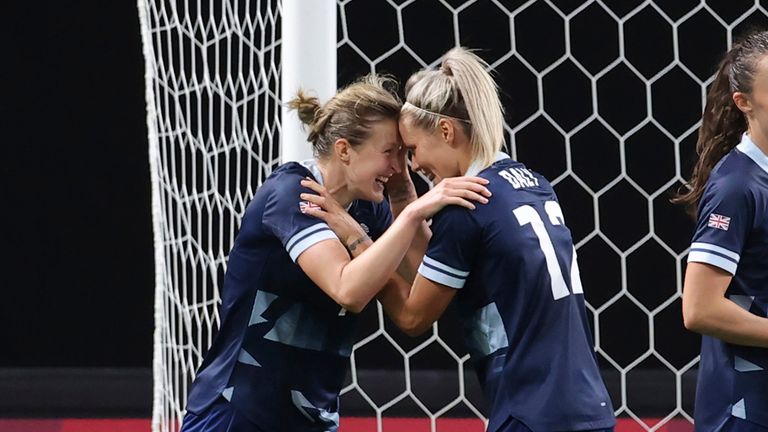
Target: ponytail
<point>461,89</point>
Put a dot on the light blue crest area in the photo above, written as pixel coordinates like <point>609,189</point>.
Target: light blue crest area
<point>227,393</point>
<point>742,365</point>
<point>247,358</point>
<point>301,327</point>
<point>260,305</point>
<point>739,410</point>
<point>329,420</point>
<point>484,332</point>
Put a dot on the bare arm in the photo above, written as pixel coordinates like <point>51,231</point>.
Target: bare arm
<point>353,283</point>
<point>707,311</point>
<point>414,308</point>
<point>401,193</point>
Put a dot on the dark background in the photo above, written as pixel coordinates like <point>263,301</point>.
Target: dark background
<point>77,269</point>
<point>77,261</point>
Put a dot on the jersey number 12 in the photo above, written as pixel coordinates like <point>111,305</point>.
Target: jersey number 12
<point>528,215</point>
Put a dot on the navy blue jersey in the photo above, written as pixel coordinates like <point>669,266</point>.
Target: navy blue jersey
<point>283,346</point>
<point>732,234</point>
<point>522,303</point>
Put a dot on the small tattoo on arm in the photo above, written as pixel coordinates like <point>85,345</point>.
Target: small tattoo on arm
<point>352,246</point>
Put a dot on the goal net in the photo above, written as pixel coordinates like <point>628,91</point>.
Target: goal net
<point>602,97</point>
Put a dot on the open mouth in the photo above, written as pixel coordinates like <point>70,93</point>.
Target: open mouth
<point>382,180</point>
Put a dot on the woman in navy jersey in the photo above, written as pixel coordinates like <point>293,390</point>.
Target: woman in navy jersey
<point>510,263</point>
<point>291,291</point>
<point>725,294</point>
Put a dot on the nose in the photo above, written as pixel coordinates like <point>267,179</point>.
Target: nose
<point>397,163</point>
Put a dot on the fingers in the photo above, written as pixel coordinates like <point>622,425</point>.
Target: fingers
<point>316,212</point>
<point>315,186</point>
<point>474,196</point>
<point>474,184</point>
<point>314,199</point>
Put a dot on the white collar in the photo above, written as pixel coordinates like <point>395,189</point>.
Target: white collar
<point>749,148</point>
<point>477,165</point>
<point>314,168</point>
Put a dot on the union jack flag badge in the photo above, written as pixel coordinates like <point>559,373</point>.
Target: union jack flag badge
<point>306,205</point>
<point>719,222</point>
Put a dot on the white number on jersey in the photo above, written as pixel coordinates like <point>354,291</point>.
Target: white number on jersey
<point>528,215</point>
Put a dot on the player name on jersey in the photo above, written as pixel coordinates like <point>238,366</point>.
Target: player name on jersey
<point>519,177</point>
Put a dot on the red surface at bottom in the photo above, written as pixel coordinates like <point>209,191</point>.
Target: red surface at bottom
<point>348,424</point>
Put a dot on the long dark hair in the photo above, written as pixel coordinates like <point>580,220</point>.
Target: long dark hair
<point>722,122</point>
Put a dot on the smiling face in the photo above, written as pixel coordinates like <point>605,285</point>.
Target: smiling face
<point>373,162</point>
<point>430,150</point>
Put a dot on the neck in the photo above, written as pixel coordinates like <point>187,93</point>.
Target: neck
<point>335,182</point>
<point>464,159</point>
<point>758,137</point>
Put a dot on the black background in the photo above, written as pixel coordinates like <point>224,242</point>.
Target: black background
<point>77,260</point>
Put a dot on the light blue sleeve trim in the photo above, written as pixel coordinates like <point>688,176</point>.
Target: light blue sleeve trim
<point>715,260</point>
<point>440,277</point>
<point>306,238</point>
<point>445,268</point>
<point>715,248</point>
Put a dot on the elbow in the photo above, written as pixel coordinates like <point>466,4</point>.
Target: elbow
<point>694,320</point>
<point>413,326</point>
<point>690,321</point>
<point>350,303</point>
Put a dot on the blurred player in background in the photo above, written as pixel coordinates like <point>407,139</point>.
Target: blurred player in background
<point>725,294</point>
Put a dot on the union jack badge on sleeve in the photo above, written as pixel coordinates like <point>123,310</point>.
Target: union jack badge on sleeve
<point>719,222</point>
<point>306,205</point>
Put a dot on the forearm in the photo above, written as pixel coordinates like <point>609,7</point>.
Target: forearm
<point>727,321</point>
<point>373,264</point>
<point>399,197</point>
<point>394,300</point>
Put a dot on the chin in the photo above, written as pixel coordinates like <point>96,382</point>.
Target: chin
<point>376,197</point>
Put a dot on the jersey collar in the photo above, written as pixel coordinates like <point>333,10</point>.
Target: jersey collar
<point>749,148</point>
<point>311,165</point>
<point>477,165</point>
<point>314,168</point>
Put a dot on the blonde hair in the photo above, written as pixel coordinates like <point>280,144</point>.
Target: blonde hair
<point>461,89</point>
<point>350,114</point>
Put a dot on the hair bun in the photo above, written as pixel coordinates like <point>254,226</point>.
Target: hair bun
<point>306,106</point>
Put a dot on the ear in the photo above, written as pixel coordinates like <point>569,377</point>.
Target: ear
<point>742,102</point>
<point>446,129</point>
<point>342,148</point>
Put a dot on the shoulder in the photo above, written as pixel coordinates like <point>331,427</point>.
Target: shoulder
<point>288,176</point>
<point>512,182</point>
<point>453,219</point>
<point>730,182</point>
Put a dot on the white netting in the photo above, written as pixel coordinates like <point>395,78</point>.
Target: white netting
<point>603,97</point>
<point>213,108</point>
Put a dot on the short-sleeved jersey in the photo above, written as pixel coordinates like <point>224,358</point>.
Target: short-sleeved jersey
<point>522,303</point>
<point>732,234</point>
<point>283,346</point>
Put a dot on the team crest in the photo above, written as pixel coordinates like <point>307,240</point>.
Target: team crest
<point>719,221</point>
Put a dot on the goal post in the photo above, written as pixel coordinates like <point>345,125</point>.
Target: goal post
<point>308,62</point>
